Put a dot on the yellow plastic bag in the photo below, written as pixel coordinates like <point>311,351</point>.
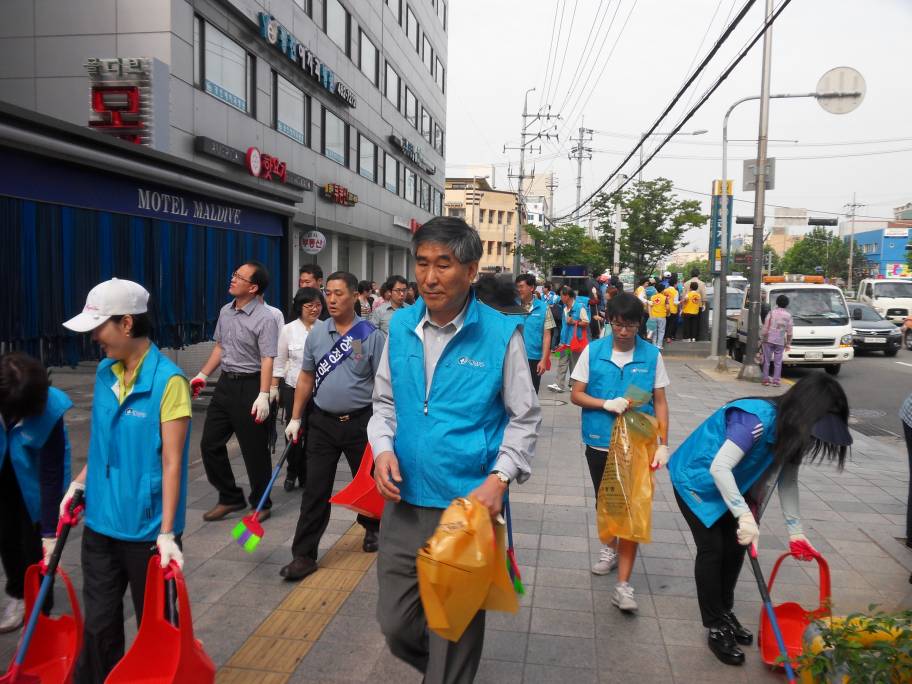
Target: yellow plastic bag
<point>624,501</point>
<point>462,569</point>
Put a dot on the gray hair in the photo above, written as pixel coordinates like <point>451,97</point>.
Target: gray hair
<point>456,234</point>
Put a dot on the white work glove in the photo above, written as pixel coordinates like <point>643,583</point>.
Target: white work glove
<point>293,430</point>
<point>68,497</point>
<point>617,405</point>
<point>260,408</point>
<point>169,550</point>
<point>748,531</point>
<point>801,548</point>
<point>661,457</point>
<point>197,384</point>
<point>273,394</point>
<point>47,548</point>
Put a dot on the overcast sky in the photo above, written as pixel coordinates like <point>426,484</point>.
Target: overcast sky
<point>500,48</point>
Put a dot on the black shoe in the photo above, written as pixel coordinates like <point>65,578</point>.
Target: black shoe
<point>289,484</point>
<point>371,543</point>
<point>298,569</point>
<point>722,643</point>
<point>742,635</point>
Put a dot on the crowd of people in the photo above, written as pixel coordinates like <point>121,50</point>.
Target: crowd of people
<point>440,378</point>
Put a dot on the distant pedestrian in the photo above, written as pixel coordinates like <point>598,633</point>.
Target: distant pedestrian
<point>776,337</point>
<point>575,323</point>
<point>691,312</point>
<point>658,315</point>
<point>311,275</point>
<point>396,289</point>
<point>364,304</point>
<point>672,299</point>
<point>906,414</point>
<point>701,289</point>
<point>723,476</point>
<point>412,295</point>
<point>538,325</point>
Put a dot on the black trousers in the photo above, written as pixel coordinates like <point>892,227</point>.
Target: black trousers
<point>20,540</point>
<point>718,563</point>
<point>328,439</point>
<point>297,455</point>
<point>536,378</point>
<point>109,565</point>
<point>671,326</point>
<point>908,433</point>
<point>229,414</point>
<point>691,326</point>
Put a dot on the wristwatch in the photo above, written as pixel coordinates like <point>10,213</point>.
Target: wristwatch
<point>501,476</point>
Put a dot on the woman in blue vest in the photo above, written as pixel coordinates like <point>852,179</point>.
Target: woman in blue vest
<point>723,475</point>
<point>135,478</point>
<point>34,465</point>
<point>575,320</point>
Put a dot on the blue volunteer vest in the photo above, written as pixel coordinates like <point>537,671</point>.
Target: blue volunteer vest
<point>124,479</point>
<point>689,465</point>
<point>607,381</point>
<point>567,330</point>
<point>447,439</point>
<point>534,329</point>
<point>26,440</point>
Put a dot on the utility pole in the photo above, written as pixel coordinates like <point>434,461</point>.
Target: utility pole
<point>580,152</point>
<point>749,368</point>
<point>552,186</point>
<point>527,121</point>
<point>853,207</point>
<point>617,228</point>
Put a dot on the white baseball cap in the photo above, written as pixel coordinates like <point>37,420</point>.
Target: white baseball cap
<point>113,297</point>
<point>667,274</point>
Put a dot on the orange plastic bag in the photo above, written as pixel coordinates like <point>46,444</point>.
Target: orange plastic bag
<point>462,569</point>
<point>624,501</point>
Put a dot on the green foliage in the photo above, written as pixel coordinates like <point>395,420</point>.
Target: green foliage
<point>845,658</point>
<point>702,265</point>
<point>564,246</point>
<point>820,248</point>
<point>769,257</point>
<point>656,222</point>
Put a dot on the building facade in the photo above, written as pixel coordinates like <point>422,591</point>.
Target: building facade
<point>339,103</point>
<point>885,249</point>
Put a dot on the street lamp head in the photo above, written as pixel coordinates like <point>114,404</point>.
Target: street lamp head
<point>700,131</point>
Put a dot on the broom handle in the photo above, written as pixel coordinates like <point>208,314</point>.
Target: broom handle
<point>771,614</point>
<point>275,474</point>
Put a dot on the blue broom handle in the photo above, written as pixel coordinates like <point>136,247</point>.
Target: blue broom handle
<point>509,519</point>
<point>275,474</point>
<point>771,614</point>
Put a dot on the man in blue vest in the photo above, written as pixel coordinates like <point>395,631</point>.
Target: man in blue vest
<point>454,414</point>
<point>575,324</point>
<point>537,327</point>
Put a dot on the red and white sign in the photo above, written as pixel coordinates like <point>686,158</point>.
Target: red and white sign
<point>313,242</point>
<point>414,226</point>
<point>265,166</point>
<point>338,194</point>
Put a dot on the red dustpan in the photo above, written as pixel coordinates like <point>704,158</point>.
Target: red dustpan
<point>361,494</point>
<point>164,653</point>
<point>793,618</point>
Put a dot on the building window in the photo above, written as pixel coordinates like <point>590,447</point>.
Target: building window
<point>499,219</point>
<point>335,138</point>
<point>427,54</point>
<point>490,247</point>
<point>306,6</point>
<point>368,58</point>
<point>499,248</point>
<point>425,196</point>
<point>509,217</point>
<point>290,111</point>
<point>337,19</point>
<point>411,28</point>
<point>439,73</point>
<point>436,201</point>
<point>391,173</point>
<point>367,158</point>
<point>438,138</point>
<point>442,13</point>
<point>225,70</point>
<point>458,213</point>
<point>411,107</point>
<point>396,7</point>
<point>391,88</point>
<point>411,180</point>
<point>426,124</point>
<point>481,215</point>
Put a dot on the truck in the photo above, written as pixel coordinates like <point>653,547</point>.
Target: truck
<point>891,298</point>
<point>822,329</point>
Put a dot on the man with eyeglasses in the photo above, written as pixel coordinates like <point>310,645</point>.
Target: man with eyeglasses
<point>604,371</point>
<point>246,342</point>
<point>396,286</point>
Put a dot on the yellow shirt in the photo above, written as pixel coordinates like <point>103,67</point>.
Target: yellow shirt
<point>692,301</point>
<point>672,294</point>
<point>658,306</point>
<point>175,401</point>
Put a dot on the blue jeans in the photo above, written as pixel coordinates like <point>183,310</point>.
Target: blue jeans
<point>658,338</point>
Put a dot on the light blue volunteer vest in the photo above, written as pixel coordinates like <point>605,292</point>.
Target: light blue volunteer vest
<point>447,439</point>
<point>124,479</point>
<point>689,464</point>
<point>534,329</point>
<point>567,329</point>
<point>25,441</point>
<point>607,381</point>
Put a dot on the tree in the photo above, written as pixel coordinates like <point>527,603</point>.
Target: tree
<point>656,222</point>
<point>564,246</point>
<point>701,265</point>
<point>770,258</point>
<point>820,249</point>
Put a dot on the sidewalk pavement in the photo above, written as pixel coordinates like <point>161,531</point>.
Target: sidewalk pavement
<point>258,628</point>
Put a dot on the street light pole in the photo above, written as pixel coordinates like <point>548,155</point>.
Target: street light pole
<point>617,229</point>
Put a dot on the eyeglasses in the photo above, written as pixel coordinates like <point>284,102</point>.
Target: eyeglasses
<point>629,327</point>
<point>238,276</point>
<point>311,305</point>
<point>399,290</point>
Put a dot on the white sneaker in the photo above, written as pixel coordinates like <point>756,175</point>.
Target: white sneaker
<point>13,614</point>
<point>554,387</point>
<point>623,597</point>
<point>608,560</point>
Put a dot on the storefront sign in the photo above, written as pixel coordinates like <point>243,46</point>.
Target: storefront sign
<point>414,226</point>
<point>898,271</point>
<point>130,99</point>
<point>338,194</point>
<point>896,232</point>
<point>411,225</point>
<point>280,37</point>
<point>413,154</point>
<point>268,167</point>
<point>313,242</point>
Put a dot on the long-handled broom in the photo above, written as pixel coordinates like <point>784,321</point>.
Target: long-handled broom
<point>249,532</point>
<point>768,606</point>
<point>512,565</point>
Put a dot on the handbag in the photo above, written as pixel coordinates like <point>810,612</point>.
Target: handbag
<point>579,339</point>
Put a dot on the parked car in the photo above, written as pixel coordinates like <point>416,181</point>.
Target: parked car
<point>873,332</point>
<point>734,296</point>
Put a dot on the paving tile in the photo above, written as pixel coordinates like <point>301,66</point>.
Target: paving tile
<point>564,543</point>
<point>498,672</point>
<point>641,628</point>
<point>505,645</point>
<point>563,577</point>
<point>271,654</point>
<point>563,598</point>
<point>564,559</point>
<point>548,674</point>
<point>336,661</point>
<point>561,651</point>
<point>513,622</point>
<point>562,622</point>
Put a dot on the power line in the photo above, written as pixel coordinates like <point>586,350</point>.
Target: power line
<point>549,73</point>
<point>586,53</point>
<point>870,153</point>
<point>560,70</point>
<point>839,143</point>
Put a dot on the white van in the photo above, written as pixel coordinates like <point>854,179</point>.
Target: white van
<point>822,330</point>
<point>891,298</point>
